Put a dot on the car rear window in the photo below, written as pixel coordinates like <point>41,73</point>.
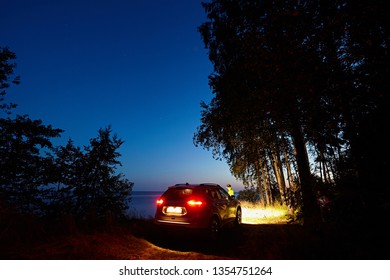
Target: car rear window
<point>180,193</point>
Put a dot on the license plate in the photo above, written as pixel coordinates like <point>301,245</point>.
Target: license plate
<point>174,210</point>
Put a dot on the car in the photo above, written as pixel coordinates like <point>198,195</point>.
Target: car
<point>204,206</point>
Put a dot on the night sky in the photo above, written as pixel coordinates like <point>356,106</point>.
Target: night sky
<point>139,66</point>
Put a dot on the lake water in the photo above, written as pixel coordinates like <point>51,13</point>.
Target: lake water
<point>143,203</point>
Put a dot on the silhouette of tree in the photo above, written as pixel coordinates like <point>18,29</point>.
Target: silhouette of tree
<point>366,106</point>
<point>38,178</point>
<point>65,175</point>
<point>297,74</point>
<point>23,166</point>
<point>6,77</point>
<point>88,182</point>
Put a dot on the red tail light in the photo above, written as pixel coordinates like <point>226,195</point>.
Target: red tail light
<point>194,202</point>
<point>160,201</point>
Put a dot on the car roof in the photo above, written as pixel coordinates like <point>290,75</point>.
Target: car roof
<point>187,185</point>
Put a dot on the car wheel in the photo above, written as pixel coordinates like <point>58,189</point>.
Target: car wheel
<point>238,219</point>
<point>214,228</point>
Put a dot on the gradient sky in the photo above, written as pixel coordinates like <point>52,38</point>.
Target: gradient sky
<point>139,66</point>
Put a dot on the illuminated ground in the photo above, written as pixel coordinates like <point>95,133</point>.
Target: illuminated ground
<point>258,215</point>
<point>140,240</point>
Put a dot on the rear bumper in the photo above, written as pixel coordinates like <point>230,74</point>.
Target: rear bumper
<point>182,222</point>
<point>166,222</point>
<point>174,231</point>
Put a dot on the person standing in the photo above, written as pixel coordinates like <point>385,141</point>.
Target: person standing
<point>230,190</point>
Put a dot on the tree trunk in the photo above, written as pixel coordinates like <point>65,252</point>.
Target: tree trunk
<point>323,168</point>
<point>260,186</point>
<point>266,183</point>
<point>288,168</point>
<point>279,176</point>
<point>311,211</point>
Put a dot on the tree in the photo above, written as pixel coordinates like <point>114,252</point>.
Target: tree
<point>98,189</point>
<point>23,144</point>
<point>23,166</point>
<point>257,79</point>
<point>366,56</point>
<point>65,176</point>
<point>297,71</point>
<point>6,77</point>
<point>38,178</point>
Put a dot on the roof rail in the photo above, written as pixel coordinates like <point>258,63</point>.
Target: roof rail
<point>209,184</point>
<point>186,184</point>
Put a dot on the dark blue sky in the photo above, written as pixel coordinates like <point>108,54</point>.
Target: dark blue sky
<point>139,66</point>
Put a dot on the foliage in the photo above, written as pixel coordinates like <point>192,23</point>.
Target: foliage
<point>37,178</point>
<point>6,73</point>
<point>293,75</point>
<point>23,166</point>
<point>250,194</point>
<point>88,184</point>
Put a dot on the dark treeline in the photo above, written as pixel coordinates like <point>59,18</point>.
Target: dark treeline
<point>43,180</point>
<point>301,101</point>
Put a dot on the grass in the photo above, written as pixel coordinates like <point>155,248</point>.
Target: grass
<point>255,214</point>
<point>122,241</point>
<point>264,234</point>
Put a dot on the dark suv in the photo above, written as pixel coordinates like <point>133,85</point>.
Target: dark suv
<point>197,206</point>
